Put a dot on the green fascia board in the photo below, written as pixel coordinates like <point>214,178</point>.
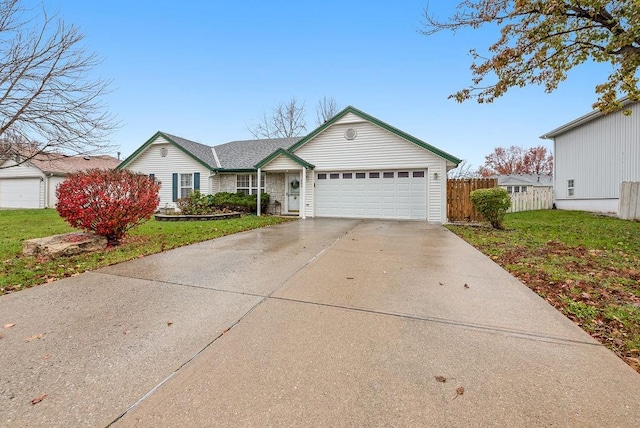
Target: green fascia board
<point>381,124</point>
<point>232,170</point>
<point>151,140</point>
<point>288,154</point>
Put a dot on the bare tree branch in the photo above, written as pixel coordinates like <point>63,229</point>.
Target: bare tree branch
<point>286,121</point>
<point>325,110</point>
<point>49,104</point>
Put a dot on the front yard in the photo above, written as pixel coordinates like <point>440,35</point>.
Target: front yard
<point>18,272</point>
<point>586,265</point>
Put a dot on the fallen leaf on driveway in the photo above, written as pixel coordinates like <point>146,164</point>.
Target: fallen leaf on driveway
<point>441,379</point>
<point>459,391</point>
<point>35,337</point>
<point>8,325</point>
<point>169,323</point>
<point>349,277</point>
<point>39,399</point>
<point>466,286</point>
<point>440,283</point>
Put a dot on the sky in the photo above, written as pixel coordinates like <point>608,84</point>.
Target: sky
<point>208,70</point>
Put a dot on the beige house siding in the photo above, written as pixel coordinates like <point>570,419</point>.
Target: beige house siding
<point>373,149</point>
<point>151,161</point>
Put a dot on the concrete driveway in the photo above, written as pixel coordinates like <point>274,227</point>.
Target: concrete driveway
<point>309,323</point>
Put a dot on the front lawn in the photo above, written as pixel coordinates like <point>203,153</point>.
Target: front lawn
<point>586,265</point>
<point>18,272</point>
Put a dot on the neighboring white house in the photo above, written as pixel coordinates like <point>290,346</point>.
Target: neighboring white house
<point>523,183</point>
<point>353,165</point>
<point>593,155</point>
<point>33,184</point>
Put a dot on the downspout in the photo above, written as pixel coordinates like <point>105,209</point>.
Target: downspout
<point>303,194</point>
<point>258,193</point>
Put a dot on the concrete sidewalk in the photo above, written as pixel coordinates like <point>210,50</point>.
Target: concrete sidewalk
<point>325,322</point>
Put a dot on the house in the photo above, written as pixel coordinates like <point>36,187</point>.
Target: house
<point>353,165</point>
<point>594,154</point>
<point>523,183</point>
<point>32,184</point>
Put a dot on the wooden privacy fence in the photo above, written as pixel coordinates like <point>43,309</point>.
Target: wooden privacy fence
<point>534,199</point>
<point>459,206</point>
<point>629,208</point>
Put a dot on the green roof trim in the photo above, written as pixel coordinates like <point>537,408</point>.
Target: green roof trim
<point>288,154</point>
<point>226,170</point>
<point>381,124</point>
<point>142,148</point>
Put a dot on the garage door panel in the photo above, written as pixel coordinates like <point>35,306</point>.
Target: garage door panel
<point>377,195</point>
<point>20,193</point>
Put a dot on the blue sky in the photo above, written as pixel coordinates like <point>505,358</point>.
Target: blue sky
<point>205,70</point>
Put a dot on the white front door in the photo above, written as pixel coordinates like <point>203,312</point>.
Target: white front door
<point>293,193</point>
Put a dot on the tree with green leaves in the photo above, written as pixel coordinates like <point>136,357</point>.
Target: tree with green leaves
<point>541,40</point>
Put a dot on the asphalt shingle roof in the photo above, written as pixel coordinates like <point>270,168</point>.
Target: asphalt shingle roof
<point>200,151</point>
<point>245,154</point>
<point>530,179</point>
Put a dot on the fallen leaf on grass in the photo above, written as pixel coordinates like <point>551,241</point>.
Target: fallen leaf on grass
<point>459,391</point>
<point>441,379</point>
<point>39,399</point>
<point>8,325</point>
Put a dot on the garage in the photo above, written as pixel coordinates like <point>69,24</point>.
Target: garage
<point>372,194</point>
<point>20,193</point>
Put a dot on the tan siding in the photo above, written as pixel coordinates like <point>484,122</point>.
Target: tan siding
<point>176,161</point>
<point>373,148</point>
<point>215,184</point>
<point>350,118</point>
<point>53,183</point>
<point>281,163</point>
<point>376,149</point>
<point>598,156</point>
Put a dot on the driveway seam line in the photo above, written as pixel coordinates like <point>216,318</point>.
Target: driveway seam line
<point>198,287</point>
<point>225,331</point>
<point>489,329</point>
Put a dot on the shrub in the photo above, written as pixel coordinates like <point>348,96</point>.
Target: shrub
<point>492,204</point>
<point>107,202</point>
<point>198,203</point>
<point>240,201</point>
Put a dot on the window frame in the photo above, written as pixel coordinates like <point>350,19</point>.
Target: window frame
<point>571,185</point>
<point>252,179</point>
<point>185,187</point>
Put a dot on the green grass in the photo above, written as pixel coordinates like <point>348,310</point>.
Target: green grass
<point>586,265</point>
<point>18,272</point>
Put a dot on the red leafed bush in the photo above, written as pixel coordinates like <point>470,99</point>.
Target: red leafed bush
<point>107,202</point>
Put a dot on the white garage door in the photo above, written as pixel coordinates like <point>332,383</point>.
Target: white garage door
<point>20,193</point>
<point>372,194</point>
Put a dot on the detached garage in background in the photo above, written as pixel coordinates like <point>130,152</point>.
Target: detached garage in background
<point>353,165</point>
<point>33,183</point>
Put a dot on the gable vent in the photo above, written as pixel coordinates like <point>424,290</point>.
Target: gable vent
<point>350,133</point>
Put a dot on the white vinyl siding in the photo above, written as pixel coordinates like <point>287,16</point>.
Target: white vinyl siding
<point>599,155</point>
<point>282,163</point>
<point>176,161</point>
<point>375,148</point>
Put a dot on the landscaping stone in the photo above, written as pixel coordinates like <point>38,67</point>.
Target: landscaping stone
<point>200,217</point>
<point>67,244</point>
